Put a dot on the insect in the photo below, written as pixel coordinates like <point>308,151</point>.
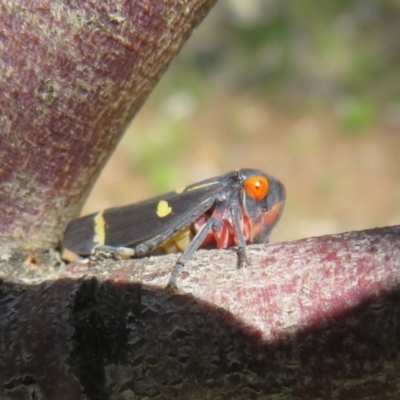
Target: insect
<point>234,209</point>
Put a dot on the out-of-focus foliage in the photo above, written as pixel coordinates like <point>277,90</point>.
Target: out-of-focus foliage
<point>319,49</point>
<point>356,115</point>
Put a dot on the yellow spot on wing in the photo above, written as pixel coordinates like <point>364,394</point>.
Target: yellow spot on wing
<point>163,209</point>
<point>180,190</point>
<point>99,231</point>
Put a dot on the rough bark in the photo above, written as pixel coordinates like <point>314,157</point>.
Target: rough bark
<point>313,319</point>
<point>72,75</point>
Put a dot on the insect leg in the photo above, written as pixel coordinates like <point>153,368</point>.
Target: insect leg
<point>242,257</point>
<point>117,253</point>
<point>212,223</point>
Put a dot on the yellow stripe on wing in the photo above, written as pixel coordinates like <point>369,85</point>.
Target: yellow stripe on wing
<point>99,229</point>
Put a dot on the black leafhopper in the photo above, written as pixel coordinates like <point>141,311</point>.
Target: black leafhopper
<point>234,209</point>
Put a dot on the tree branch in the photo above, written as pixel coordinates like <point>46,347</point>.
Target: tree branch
<point>315,318</point>
<point>72,76</point>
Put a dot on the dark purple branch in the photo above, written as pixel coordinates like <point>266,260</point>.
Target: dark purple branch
<point>316,318</point>
<point>72,76</point>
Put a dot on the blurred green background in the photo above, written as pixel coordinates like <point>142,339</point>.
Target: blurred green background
<point>307,91</point>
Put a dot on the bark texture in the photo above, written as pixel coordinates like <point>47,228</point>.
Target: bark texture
<point>72,76</point>
<point>313,319</point>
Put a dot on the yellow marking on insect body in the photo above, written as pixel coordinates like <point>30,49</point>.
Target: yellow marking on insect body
<point>99,229</point>
<point>169,247</point>
<point>180,190</point>
<point>183,239</point>
<point>204,185</point>
<point>179,242</point>
<point>163,209</point>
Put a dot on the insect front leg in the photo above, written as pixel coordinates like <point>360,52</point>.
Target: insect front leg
<point>242,256</point>
<point>211,224</point>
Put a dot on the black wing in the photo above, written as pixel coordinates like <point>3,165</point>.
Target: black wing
<point>135,223</point>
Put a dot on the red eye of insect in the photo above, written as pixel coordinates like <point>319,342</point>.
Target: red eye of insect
<point>256,187</point>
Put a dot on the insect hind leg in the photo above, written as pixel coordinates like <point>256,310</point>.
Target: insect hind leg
<point>116,253</point>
